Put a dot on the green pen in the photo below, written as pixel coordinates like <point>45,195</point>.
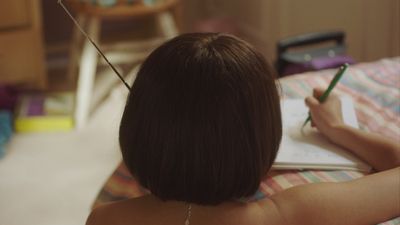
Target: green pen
<point>333,83</point>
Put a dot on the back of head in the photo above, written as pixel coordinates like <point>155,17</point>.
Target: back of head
<point>202,123</point>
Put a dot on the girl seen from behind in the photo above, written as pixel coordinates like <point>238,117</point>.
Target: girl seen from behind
<point>201,129</point>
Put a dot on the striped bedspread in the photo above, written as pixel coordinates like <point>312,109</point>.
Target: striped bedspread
<point>375,89</point>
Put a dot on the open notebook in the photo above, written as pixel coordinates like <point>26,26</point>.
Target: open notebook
<point>307,148</point>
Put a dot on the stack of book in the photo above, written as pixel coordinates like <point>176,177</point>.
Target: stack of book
<point>45,112</point>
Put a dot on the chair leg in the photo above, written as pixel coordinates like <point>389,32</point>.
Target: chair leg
<point>74,50</point>
<point>167,24</point>
<point>87,72</point>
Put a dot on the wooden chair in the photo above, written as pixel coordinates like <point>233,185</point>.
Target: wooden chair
<point>91,17</point>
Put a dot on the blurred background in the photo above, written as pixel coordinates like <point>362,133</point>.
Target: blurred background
<point>60,103</point>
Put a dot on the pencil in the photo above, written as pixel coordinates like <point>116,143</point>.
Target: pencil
<point>333,83</point>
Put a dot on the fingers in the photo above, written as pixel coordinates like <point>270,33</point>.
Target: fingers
<point>318,92</point>
<point>311,102</point>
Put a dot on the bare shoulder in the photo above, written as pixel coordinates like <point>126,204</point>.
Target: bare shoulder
<point>271,212</point>
<point>353,202</point>
<point>293,205</point>
<point>307,204</point>
<point>97,215</point>
<point>116,213</point>
<point>104,214</point>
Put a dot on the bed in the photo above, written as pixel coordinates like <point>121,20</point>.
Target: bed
<point>375,89</point>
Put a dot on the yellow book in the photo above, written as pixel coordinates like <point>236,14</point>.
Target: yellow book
<point>45,112</point>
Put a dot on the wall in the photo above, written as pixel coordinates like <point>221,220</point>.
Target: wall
<point>372,26</point>
<point>21,46</point>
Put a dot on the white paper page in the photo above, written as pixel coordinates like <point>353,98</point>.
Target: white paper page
<point>308,148</point>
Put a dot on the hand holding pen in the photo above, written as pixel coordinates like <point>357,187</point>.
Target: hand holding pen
<point>325,116</point>
<point>323,96</point>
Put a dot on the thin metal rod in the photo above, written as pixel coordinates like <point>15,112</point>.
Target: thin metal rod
<point>94,44</point>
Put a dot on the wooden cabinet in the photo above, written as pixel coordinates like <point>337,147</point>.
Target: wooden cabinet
<point>22,60</point>
<point>372,26</point>
<point>13,14</point>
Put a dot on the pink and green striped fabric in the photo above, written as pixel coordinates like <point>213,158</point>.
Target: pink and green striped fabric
<point>375,89</point>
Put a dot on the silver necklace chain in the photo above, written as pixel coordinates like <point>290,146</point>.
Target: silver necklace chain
<point>188,215</point>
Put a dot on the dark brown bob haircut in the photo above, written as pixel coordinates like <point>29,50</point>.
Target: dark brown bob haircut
<point>202,123</point>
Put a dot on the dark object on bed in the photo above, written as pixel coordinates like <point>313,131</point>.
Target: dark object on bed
<point>309,52</point>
